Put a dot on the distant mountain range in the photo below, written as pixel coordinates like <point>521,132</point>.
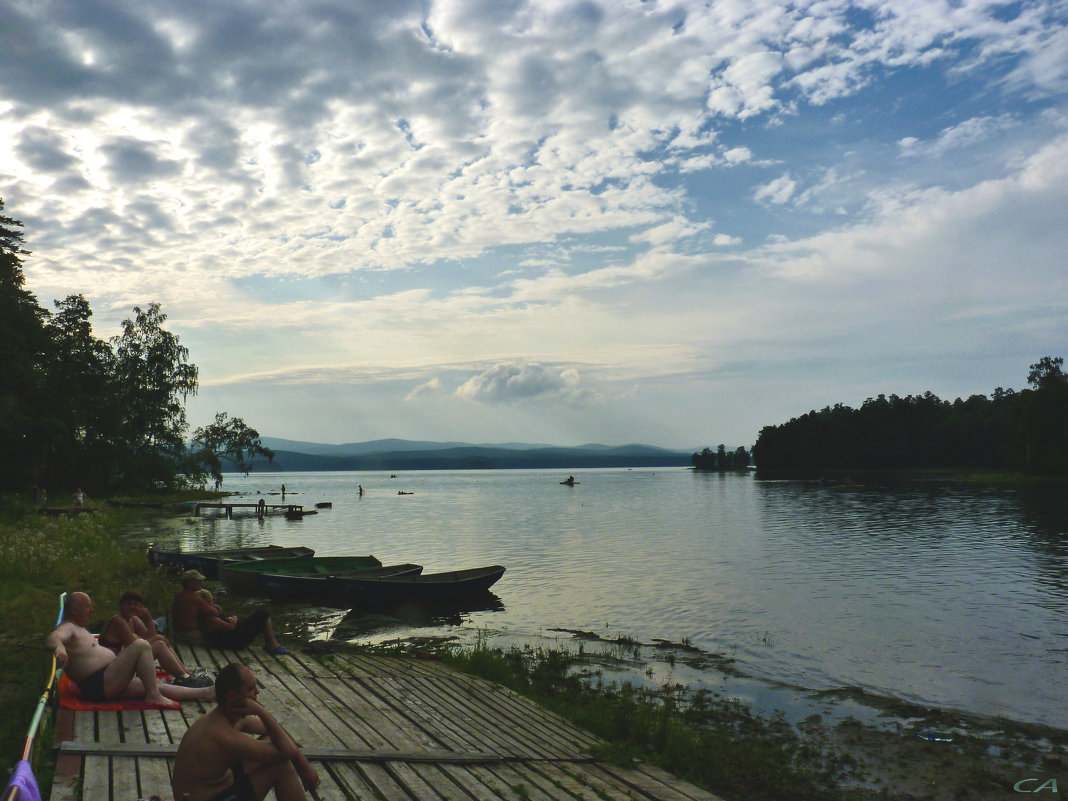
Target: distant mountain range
<point>402,454</point>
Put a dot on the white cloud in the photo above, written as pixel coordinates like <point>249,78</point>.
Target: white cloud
<point>968,132</point>
<point>431,388</point>
<point>778,191</point>
<point>737,155</point>
<point>368,193</point>
<point>509,382</point>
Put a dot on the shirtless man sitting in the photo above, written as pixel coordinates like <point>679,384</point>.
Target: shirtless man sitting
<point>217,760</point>
<point>100,674</point>
<point>198,622</point>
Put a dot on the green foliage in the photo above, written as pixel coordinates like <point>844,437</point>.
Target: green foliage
<point>1009,430</point>
<point>720,459</point>
<point>153,378</point>
<point>79,411</point>
<point>1045,412</point>
<point>23,346</point>
<point>40,558</point>
<point>230,438</point>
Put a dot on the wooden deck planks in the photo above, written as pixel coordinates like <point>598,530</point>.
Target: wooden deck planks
<point>375,727</point>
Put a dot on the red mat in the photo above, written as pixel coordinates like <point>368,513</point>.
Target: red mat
<point>70,698</point>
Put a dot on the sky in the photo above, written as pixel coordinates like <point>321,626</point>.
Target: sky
<point>550,221</point>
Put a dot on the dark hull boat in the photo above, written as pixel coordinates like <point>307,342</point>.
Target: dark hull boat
<point>208,562</point>
<point>427,588</point>
<point>307,587</point>
<point>245,576</point>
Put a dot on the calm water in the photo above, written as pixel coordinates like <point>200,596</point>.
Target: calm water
<point>939,594</point>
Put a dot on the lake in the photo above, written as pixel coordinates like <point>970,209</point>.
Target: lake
<point>934,593</point>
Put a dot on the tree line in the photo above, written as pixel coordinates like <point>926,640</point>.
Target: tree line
<point>721,459</point>
<point>78,411</point>
<point>1024,431</point>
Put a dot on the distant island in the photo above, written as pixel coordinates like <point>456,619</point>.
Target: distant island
<point>721,459</point>
<point>400,454</point>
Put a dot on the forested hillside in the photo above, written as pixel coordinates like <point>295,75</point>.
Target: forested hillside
<point>1020,431</point>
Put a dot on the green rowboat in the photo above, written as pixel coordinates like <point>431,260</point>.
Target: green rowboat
<point>244,577</point>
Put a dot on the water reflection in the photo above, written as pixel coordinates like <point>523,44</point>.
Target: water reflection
<point>939,593</point>
<point>387,618</point>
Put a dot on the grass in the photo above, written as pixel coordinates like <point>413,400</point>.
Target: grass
<point>713,742</point>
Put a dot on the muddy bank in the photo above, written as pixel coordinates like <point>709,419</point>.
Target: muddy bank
<point>882,747</point>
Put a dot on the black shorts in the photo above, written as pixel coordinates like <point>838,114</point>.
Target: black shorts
<point>240,790</point>
<point>247,630</point>
<point>91,688</point>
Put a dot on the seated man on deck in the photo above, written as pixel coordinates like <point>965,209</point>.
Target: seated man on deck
<point>217,760</point>
<point>100,674</point>
<point>134,622</point>
<point>198,622</point>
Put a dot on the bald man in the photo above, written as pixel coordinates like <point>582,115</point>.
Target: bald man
<point>102,675</point>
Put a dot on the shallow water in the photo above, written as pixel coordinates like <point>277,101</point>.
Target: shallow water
<point>933,593</point>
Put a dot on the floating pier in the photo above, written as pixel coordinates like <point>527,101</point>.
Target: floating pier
<point>394,728</point>
<point>260,508</point>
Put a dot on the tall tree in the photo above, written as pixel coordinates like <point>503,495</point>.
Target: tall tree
<point>83,402</point>
<point>231,438</point>
<point>1046,416</point>
<point>23,345</point>
<point>153,380</point>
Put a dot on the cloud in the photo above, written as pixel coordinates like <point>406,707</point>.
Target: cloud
<point>968,132</point>
<point>431,388</point>
<point>510,382</point>
<point>44,150</point>
<point>438,131</point>
<point>381,193</point>
<point>778,191</point>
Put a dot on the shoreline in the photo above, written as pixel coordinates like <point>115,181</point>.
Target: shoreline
<point>889,748</point>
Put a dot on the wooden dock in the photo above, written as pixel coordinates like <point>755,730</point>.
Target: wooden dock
<point>260,508</point>
<point>375,727</point>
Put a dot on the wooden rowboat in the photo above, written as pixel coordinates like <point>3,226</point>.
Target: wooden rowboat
<point>295,586</point>
<point>429,588</point>
<point>245,576</point>
<point>208,562</point>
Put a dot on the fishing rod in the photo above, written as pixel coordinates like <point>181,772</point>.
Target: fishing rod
<point>31,734</point>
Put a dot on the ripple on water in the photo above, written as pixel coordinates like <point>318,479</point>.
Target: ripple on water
<point>944,594</point>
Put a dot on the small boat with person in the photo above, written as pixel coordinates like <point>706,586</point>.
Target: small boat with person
<point>208,562</point>
<point>244,577</point>
<point>367,590</point>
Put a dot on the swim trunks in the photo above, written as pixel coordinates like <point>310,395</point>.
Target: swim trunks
<point>247,630</point>
<point>240,790</point>
<point>91,688</point>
